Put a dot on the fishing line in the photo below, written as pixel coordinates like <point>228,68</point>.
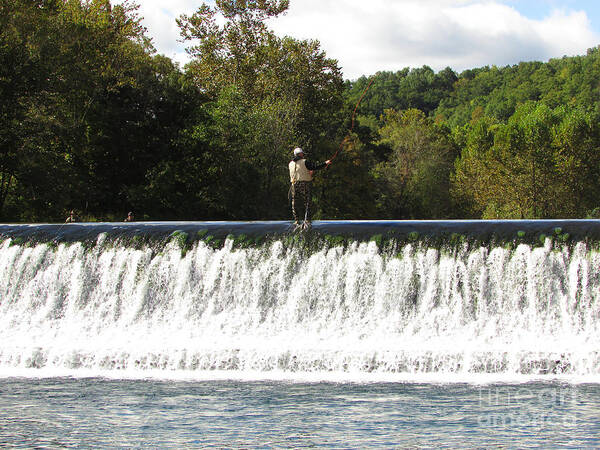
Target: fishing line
<point>58,233</point>
<point>353,117</point>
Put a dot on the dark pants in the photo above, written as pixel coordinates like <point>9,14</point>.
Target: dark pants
<point>301,200</point>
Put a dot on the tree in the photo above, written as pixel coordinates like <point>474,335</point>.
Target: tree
<point>24,27</point>
<point>269,94</point>
<point>577,159</point>
<point>544,163</point>
<point>234,52</point>
<point>415,181</point>
<point>85,107</point>
<point>347,188</point>
<point>478,184</point>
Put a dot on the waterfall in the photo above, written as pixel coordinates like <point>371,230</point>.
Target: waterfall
<point>275,307</point>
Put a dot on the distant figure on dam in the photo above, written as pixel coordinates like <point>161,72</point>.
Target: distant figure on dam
<point>72,218</point>
<point>301,176</point>
<point>129,217</point>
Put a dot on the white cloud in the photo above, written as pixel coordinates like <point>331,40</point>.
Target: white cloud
<point>159,18</point>
<point>370,35</point>
<point>382,35</point>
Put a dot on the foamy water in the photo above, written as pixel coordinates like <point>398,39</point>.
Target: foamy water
<point>275,312</point>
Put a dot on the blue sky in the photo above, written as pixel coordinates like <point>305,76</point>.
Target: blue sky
<point>538,9</point>
<point>366,36</point>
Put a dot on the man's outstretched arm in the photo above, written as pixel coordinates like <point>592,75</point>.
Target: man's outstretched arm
<point>315,166</point>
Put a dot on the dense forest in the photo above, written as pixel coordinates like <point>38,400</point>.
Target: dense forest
<point>92,119</point>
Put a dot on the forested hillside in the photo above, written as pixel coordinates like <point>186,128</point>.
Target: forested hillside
<point>520,141</point>
<point>492,91</point>
<point>92,119</point>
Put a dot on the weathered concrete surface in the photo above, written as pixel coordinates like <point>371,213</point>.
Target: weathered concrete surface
<point>476,229</point>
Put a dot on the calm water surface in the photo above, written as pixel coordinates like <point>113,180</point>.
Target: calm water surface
<point>95,412</point>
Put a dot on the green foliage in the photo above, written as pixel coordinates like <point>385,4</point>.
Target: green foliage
<point>542,163</point>
<point>137,241</point>
<point>413,236</point>
<point>212,241</point>
<point>419,88</point>
<point>17,241</point>
<point>457,239</point>
<point>85,109</point>
<point>378,239</point>
<point>91,119</point>
<point>227,53</point>
<point>180,238</point>
<point>593,214</point>
<point>216,243</point>
<point>335,241</point>
<point>347,188</point>
<point>241,241</point>
<point>499,91</point>
<point>268,95</point>
<point>414,182</point>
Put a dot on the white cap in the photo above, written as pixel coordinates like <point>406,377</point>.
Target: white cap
<point>298,151</point>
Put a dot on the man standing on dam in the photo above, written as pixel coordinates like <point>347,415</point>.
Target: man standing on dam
<point>301,176</point>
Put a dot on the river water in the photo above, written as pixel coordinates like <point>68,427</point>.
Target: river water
<point>113,343</point>
<point>94,412</point>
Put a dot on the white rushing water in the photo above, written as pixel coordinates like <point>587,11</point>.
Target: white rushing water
<point>274,310</point>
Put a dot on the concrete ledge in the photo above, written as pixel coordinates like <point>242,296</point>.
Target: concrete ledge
<point>481,230</point>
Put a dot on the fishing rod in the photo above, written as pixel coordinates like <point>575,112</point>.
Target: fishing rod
<point>61,227</point>
<point>55,240</point>
<point>353,117</point>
